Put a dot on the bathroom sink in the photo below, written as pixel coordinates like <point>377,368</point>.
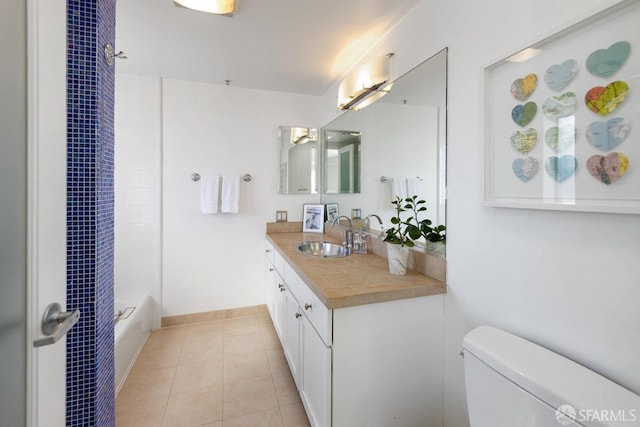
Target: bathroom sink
<point>323,249</point>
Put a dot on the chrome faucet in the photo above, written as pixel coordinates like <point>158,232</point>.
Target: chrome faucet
<point>367,226</point>
<point>348,234</point>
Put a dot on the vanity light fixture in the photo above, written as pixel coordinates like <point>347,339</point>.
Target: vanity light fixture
<point>303,135</point>
<point>219,7</point>
<point>366,84</point>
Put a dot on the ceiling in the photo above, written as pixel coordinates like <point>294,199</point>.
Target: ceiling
<point>299,46</point>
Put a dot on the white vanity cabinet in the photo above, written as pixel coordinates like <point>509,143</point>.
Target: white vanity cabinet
<point>291,306</point>
<point>378,364</point>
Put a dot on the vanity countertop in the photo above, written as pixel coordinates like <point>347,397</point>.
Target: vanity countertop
<point>354,280</point>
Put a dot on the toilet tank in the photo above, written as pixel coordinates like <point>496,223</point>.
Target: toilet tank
<point>513,382</point>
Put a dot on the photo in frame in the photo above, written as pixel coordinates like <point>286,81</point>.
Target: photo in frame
<point>313,218</point>
<point>332,211</point>
<point>562,127</point>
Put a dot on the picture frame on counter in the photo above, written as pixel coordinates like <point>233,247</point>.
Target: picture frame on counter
<point>313,218</point>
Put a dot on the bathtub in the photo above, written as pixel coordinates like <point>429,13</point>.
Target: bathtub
<point>131,333</point>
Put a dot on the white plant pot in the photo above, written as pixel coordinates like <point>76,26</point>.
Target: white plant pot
<point>397,256</point>
<point>437,247</point>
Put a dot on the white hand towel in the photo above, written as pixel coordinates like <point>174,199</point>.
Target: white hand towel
<point>400,187</point>
<point>209,194</point>
<point>230,198</point>
<point>413,187</point>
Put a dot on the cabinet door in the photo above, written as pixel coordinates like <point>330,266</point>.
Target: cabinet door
<point>275,300</point>
<point>315,375</point>
<point>279,321</point>
<point>291,338</point>
<point>270,287</point>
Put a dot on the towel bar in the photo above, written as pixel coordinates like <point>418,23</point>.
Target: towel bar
<point>195,177</point>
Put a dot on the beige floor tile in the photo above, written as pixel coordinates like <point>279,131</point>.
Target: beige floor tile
<point>201,350</point>
<point>247,397</point>
<point>286,390</point>
<point>148,412</point>
<point>269,418</point>
<point>194,407</point>
<point>167,337</point>
<point>277,362</point>
<point>246,366</point>
<point>235,345</point>
<point>264,320</point>
<point>241,326</point>
<point>198,375</point>
<point>206,330</point>
<point>145,383</point>
<point>270,340</point>
<point>294,415</point>
<point>187,375</point>
<point>158,357</point>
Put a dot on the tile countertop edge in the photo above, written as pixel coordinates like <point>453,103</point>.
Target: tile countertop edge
<point>367,267</point>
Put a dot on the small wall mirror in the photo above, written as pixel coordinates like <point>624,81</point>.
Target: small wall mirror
<point>341,161</point>
<point>299,160</point>
<point>400,138</point>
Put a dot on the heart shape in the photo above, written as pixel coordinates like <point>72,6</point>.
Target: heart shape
<point>558,76</point>
<point>525,168</point>
<point>559,106</point>
<point>605,62</point>
<point>521,89</point>
<point>561,168</point>
<point>524,141</point>
<point>607,135</point>
<point>604,100</point>
<point>607,169</point>
<point>523,114</point>
<point>560,138</point>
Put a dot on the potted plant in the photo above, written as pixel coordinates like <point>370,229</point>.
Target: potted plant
<point>403,233</point>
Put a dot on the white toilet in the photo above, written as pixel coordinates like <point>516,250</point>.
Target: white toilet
<point>512,382</point>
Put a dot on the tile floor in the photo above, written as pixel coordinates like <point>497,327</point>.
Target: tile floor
<point>226,373</point>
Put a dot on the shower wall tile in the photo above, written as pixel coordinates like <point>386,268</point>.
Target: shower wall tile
<point>138,164</point>
<point>90,86</point>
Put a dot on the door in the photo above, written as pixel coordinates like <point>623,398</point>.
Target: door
<point>13,224</point>
<point>46,171</point>
<point>346,169</point>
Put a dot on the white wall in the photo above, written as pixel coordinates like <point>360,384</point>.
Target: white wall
<point>138,175</point>
<point>566,280</point>
<point>213,262</point>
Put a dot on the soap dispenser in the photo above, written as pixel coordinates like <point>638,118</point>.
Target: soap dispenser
<point>359,241</point>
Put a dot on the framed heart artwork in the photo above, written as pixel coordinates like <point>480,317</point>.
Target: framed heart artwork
<point>562,119</point>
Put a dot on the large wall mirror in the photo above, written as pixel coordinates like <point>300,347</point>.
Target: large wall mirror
<point>401,138</point>
<point>299,160</point>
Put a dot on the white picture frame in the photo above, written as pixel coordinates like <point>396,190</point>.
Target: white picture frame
<point>313,218</point>
<point>553,173</point>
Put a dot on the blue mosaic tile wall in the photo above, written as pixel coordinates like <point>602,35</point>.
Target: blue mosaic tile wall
<point>90,88</point>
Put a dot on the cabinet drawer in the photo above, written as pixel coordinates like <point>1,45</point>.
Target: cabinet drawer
<point>278,263</point>
<point>319,316</point>
<point>269,251</point>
